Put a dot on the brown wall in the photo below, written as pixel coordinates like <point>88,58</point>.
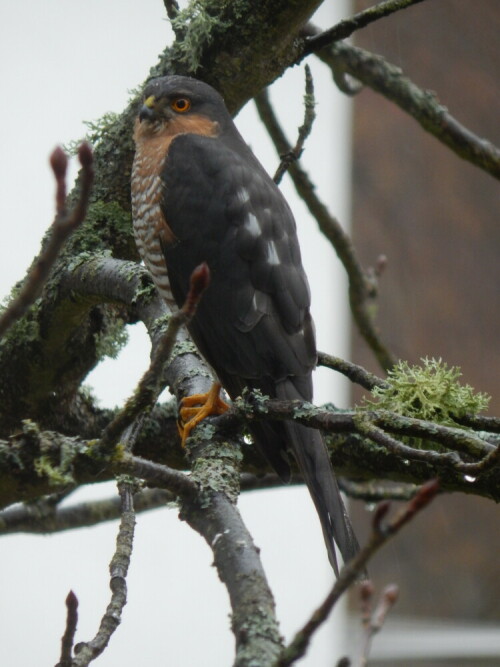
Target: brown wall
<point>436,219</point>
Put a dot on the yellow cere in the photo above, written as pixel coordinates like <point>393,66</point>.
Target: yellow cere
<point>150,101</point>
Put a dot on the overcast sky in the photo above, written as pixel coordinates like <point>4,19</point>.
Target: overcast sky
<point>63,62</point>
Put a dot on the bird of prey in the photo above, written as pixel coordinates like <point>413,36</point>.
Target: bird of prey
<point>200,195</point>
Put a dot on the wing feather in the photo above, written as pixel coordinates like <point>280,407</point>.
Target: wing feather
<point>253,322</point>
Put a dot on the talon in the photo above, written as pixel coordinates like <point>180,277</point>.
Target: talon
<point>195,408</point>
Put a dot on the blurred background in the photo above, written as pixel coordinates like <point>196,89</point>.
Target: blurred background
<point>435,218</point>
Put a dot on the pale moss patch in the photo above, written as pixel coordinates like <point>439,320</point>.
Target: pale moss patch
<point>197,26</point>
<point>430,391</point>
<point>97,130</point>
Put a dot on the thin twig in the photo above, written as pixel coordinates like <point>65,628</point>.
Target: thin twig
<point>374,492</point>
<point>157,475</point>
<point>150,387</point>
<point>489,462</point>
<point>355,568</point>
<point>461,440</point>
<point>345,28</point>
<point>68,637</point>
<point>388,80</point>
<point>374,621</point>
<point>304,130</point>
<point>86,652</point>
<point>362,289</point>
<point>355,373</point>
<point>63,226</point>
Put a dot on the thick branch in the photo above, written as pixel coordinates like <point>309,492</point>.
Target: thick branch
<point>35,463</point>
<point>44,518</point>
<point>150,385</point>
<point>236,558</point>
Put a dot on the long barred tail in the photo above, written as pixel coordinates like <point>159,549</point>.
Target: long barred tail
<point>312,458</point>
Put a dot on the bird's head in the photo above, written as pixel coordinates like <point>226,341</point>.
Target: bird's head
<point>180,104</point>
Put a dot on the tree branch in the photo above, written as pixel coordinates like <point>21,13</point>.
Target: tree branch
<point>374,620</point>
<point>43,518</point>
<point>388,80</point>
<point>86,652</point>
<point>236,558</point>
<point>68,637</point>
<point>150,385</point>
<point>63,226</point>
<point>347,27</point>
<point>356,374</point>
<point>304,130</point>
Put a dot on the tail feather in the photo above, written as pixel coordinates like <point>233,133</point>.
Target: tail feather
<point>312,458</point>
<point>311,454</point>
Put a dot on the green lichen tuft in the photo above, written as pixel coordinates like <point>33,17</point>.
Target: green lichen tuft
<point>97,131</point>
<point>54,474</point>
<point>305,410</point>
<point>431,391</point>
<point>104,224</point>
<point>183,347</point>
<point>198,28</point>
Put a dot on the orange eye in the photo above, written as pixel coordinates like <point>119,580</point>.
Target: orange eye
<point>181,104</point>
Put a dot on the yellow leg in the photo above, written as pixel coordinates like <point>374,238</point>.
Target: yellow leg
<point>198,406</point>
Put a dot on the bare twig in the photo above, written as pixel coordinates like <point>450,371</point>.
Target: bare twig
<point>64,225</point>
<point>362,289</point>
<point>86,652</point>
<point>388,80</point>
<point>68,637</point>
<point>149,387</point>
<point>373,622</point>
<point>462,441</point>
<point>345,28</point>
<point>490,461</point>
<point>304,130</point>
<point>374,492</point>
<point>355,373</point>
<point>157,475</point>
<point>356,567</point>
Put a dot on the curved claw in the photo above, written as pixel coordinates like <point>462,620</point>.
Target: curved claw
<point>195,408</point>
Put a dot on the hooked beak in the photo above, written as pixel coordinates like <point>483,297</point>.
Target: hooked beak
<point>147,111</point>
